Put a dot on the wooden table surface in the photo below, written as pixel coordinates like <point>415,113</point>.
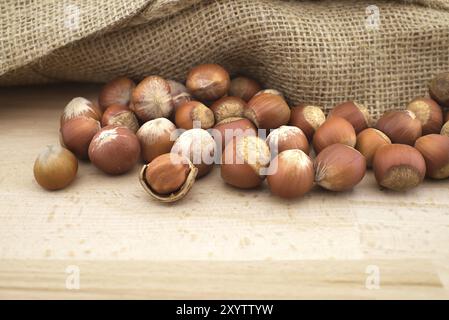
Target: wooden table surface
<point>218,242</point>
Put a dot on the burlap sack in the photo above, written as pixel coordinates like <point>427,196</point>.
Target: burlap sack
<point>321,52</point>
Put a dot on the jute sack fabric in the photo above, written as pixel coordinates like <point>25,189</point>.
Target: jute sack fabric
<point>321,52</point>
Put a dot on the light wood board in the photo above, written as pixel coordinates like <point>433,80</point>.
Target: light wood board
<point>218,242</point>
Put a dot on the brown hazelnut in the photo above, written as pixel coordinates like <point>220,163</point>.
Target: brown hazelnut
<point>80,107</point>
<point>152,99</point>
<point>445,129</point>
<point>244,162</point>
<point>117,91</point>
<point>401,126</point>
<point>334,130</point>
<point>307,118</point>
<point>267,111</point>
<point>429,113</point>
<point>194,113</point>
<point>114,150</point>
<point>286,138</point>
<point>435,150</point>
<point>199,147</point>
<point>179,93</point>
<point>169,177</point>
<point>355,113</point>
<point>156,138</point>
<point>368,141</point>
<point>291,174</point>
<point>339,167</point>
<point>208,82</point>
<point>439,89</point>
<point>228,107</point>
<point>55,167</point>
<point>120,115</point>
<point>399,167</point>
<point>244,88</point>
<point>77,134</point>
<point>229,128</point>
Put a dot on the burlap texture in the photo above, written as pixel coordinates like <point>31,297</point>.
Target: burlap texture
<point>321,52</point>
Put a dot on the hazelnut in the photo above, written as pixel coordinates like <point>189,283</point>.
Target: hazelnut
<point>244,162</point>
<point>156,138</point>
<point>435,150</point>
<point>334,130</point>
<point>339,167</point>
<point>445,129</point>
<point>77,134</point>
<point>307,118</point>
<point>120,115</point>
<point>244,88</point>
<point>80,107</point>
<point>55,167</point>
<point>368,141</point>
<point>117,91</point>
<point>229,128</point>
<point>286,138</point>
<point>439,89</point>
<point>194,111</point>
<point>270,91</point>
<point>169,177</point>
<point>429,113</point>
<point>292,174</point>
<point>152,99</point>
<point>228,107</point>
<point>401,126</point>
<point>199,147</point>
<point>398,167</point>
<point>179,93</point>
<point>208,82</point>
<point>114,150</point>
<point>355,113</point>
<point>267,111</point>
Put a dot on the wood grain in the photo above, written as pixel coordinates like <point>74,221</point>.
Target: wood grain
<point>104,221</point>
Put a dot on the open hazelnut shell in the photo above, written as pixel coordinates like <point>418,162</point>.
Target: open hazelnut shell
<point>174,196</point>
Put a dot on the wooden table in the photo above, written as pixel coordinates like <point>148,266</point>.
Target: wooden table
<point>219,242</point>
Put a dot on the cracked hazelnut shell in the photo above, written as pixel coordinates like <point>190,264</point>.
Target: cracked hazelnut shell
<point>168,178</point>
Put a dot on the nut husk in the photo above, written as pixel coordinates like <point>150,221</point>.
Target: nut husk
<point>173,196</point>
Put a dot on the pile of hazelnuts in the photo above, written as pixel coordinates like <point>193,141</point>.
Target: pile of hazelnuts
<point>132,123</point>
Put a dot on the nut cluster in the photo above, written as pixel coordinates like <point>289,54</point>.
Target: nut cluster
<point>180,131</point>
